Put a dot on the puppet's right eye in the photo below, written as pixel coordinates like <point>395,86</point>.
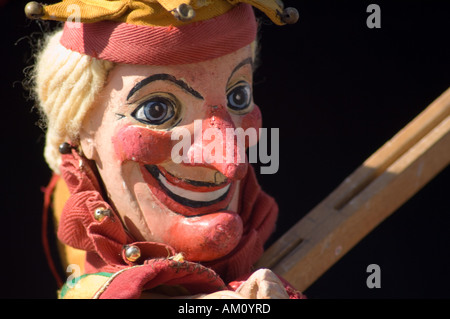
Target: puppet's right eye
<point>155,111</point>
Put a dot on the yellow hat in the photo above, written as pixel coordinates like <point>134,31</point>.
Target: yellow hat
<point>159,32</point>
<point>153,12</point>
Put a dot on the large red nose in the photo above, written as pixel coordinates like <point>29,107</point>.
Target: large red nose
<point>218,144</point>
<point>213,141</point>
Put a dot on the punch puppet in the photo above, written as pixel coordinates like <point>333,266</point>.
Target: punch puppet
<point>139,215</point>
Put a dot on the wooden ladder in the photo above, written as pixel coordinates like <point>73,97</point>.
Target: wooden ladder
<point>384,182</point>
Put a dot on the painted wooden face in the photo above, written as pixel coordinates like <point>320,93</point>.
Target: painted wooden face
<point>192,204</point>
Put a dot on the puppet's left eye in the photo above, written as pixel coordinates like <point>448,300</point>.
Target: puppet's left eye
<point>239,98</point>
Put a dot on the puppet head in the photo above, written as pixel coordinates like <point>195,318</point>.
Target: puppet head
<point>124,78</point>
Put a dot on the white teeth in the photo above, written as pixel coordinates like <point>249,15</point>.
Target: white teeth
<point>194,196</point>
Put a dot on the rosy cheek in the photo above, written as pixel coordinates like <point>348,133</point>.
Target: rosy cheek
<point>252,120</point>
<point>140,144</point>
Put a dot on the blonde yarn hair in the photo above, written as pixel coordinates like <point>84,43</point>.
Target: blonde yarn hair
<point>66,84</point>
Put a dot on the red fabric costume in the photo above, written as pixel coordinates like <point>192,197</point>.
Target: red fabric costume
<point>104,241</point>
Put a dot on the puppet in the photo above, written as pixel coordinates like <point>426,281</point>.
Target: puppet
<point>114,85</point>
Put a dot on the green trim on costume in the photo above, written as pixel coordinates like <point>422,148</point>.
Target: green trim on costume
<point>65,288</point>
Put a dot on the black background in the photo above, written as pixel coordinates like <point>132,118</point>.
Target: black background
<point>336,89</point>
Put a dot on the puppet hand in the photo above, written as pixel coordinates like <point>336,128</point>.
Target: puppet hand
<point>223,294</point>
<point>263,284</point>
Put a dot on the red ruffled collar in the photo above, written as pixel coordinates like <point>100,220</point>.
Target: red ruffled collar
<point>104,240</point>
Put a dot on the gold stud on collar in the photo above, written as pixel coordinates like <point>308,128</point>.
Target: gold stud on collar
<point>101,213</point>
<point>132,253</point>
<point>65,148</point>
<point>34,10</point>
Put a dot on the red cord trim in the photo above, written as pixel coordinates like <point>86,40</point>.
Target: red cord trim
<point>48,191</point>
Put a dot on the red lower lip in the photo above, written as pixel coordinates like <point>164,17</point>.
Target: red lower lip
<point>182,207</point>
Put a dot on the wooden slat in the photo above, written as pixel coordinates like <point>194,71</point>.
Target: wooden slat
<point>385,181</point>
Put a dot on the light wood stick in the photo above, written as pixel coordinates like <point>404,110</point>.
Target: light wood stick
<point>384,182</point>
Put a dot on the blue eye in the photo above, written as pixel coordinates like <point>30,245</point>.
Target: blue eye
<point>155,111</point>
<point>240,97</point>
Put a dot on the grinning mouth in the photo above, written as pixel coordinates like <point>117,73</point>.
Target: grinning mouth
<point>190,193</point>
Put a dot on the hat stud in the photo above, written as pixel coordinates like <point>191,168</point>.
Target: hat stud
<point>34,10</point>
<point>184,12</point>
<point>289,15</point>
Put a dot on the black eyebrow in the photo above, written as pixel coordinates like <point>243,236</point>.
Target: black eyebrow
<point>248,60</point>
<point>163,77</point>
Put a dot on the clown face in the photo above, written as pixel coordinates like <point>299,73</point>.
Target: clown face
<point>192,205</point>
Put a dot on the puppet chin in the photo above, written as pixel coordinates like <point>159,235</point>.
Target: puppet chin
<point>207,237</point>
